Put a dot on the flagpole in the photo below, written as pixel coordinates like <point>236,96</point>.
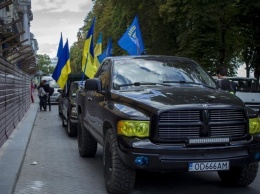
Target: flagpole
<point>85,66</point>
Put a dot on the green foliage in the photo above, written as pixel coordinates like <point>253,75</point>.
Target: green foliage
<point>213,33</point>
<point>44,62</point>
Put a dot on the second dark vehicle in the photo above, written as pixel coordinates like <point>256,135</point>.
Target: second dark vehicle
<point>67,110</point>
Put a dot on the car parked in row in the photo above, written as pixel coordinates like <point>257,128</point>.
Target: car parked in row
<point>66,103</point>
<point>55,96</point>
<point>248,90</point>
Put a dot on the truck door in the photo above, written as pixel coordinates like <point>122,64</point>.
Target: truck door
<point>95,109</point>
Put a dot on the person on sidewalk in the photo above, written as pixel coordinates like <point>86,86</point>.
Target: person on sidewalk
<point>32,89</point>
<point>224,83</point>
<point>49,92</point>
<point>43,97</point>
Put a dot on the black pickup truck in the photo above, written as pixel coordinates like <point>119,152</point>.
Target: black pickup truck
<point>165,113</point>
<point>67,103</point>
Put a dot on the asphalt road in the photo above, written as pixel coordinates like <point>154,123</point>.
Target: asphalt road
<point>52,165</point>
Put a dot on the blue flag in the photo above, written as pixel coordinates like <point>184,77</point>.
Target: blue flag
<point>62,69</point>
<point>132,40</point>
<point>59,51</point>
<point>108,52</point>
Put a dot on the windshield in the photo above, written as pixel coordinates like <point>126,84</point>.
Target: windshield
<point>130,71</point>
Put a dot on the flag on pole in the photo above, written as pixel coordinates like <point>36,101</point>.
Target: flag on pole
<point>108,52</point>
<point>132,40</point>
<point>60,47</point>
<point>88,66</point>
<point>62,69</point>
<point>98,51</point>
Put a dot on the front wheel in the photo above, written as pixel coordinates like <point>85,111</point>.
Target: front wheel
<point>71,130</point>
<point>60,112</point>
<point>239,176</point>
<point>119,178</point>
<point>87,145</point>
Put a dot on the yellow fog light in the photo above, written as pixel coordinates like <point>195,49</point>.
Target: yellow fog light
<point>133,128</point>
<point>254,126</point>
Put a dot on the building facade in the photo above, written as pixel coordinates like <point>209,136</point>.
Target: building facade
<point>17,44</point>
<point>18,63</point>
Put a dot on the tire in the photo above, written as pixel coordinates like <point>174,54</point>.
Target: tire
<point>71,130</point>
<point>87,145</point>
<point>119,178</point>
<point>239,176</point>
<point>60,113</point>
<point>64,121</point>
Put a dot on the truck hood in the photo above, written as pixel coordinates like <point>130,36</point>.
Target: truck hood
<point>162,98</point>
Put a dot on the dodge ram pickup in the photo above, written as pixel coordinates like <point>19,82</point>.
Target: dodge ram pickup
<point>166,114</point>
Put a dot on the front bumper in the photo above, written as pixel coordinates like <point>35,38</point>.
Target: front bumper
<point>167,157</point>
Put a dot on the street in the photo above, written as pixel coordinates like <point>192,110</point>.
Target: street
<point>52,165</point>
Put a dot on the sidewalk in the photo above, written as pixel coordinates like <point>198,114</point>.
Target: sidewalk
<point>13,151</point>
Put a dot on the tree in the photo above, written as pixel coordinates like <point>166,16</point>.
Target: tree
<point>205,31</point>
<point>213,33</point>
<point>44,62</point>
<point>250,28</point>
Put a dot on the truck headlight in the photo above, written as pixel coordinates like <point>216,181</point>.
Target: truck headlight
<point>131,128</point>
<point>254,126</point>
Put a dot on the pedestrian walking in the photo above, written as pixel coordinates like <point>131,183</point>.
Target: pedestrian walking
<point>32,89</point>
<point>49,90</point>
<point>224,83</point>
<point>43,97</point>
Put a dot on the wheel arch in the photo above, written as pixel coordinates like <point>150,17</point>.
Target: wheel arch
<point>106,126</point>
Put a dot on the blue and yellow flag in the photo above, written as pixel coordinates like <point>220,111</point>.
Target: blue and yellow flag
<point>132,40</point>
<point>88,66</point>
<point>62,69</point>
<point>59,51</point>
<point>108,52</point>
<point>98,51</point>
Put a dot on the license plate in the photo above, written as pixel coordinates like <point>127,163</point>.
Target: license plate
<point>208,166</point>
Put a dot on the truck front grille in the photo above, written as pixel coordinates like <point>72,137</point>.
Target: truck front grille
<point>180,125</point>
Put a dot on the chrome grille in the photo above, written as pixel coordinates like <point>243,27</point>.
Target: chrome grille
<point>178,132</point>
<point>179,125</point>
<point>180,116</point>
<point>225,115</point>
<point>227,130</point>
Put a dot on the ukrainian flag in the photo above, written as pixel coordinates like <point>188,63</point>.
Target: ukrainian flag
<point>98,51</point>
<point>62,69</point>
<point>88,66</point>
<point>60,46</point>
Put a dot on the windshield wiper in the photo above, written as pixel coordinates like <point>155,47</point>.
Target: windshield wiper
<point>143,83</point>
<point>184,82</point>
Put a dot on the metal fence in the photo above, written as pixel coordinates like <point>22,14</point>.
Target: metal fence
<point>15,98</point>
